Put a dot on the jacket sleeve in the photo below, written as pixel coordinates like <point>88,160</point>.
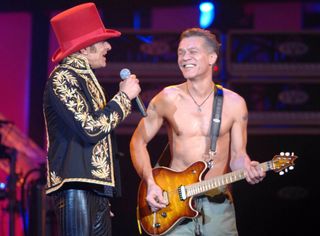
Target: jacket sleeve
<point>72,105</point>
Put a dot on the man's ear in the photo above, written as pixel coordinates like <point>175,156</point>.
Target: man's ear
<point>213,58</point>
<point>84,51</point>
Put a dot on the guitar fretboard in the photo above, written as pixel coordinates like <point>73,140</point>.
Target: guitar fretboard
<point>206,185</point>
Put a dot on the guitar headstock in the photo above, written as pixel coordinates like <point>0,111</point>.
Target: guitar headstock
<point>281,163</point>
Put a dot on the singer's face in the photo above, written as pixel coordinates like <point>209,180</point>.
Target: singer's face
<point>96,54</point>
<point>194,58</point>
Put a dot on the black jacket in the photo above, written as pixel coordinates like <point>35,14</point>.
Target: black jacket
<point>79,124</point>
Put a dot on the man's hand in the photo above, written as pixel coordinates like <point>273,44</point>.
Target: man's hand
<point>130,86</point>
<point>155,198</point>
<point>254,174</point>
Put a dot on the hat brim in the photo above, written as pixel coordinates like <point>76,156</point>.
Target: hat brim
<point>109,33</point>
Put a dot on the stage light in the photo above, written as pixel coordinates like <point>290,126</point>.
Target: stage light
<point>207,14</point>
<point>3,192</point>
<point>206,6</point>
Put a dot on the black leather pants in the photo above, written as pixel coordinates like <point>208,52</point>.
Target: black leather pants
<point>82,213</point>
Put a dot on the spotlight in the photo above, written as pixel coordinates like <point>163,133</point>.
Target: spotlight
<point>206,6</point>
<point>3,192</point>
<point>207,14</point>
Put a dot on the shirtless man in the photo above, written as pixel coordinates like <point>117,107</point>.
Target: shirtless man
<point>187,108</point>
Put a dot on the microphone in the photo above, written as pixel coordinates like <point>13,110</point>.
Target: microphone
<point>124,74</point>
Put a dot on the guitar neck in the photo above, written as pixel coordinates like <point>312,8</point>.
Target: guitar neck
<point>216,182</point>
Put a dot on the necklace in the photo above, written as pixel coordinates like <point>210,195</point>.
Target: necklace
<point>197,104</point>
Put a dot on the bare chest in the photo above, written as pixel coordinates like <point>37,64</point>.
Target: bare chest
<point>189,121</point>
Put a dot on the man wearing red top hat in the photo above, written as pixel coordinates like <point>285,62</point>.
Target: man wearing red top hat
<point>83,171</point>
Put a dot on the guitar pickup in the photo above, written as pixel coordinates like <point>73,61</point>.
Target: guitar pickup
<point>165,197</point>
<point>182,193</point>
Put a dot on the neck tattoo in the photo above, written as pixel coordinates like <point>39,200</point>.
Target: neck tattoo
<point>203,102</point>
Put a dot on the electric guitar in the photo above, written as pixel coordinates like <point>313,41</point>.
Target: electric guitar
<point>179,188</point>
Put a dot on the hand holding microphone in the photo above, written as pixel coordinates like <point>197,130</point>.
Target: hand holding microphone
<point>130,86</point>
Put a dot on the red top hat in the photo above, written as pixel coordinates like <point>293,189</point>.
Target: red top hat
<point>77,28</point>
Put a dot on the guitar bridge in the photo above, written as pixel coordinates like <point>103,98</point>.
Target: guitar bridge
<point>182,193</point>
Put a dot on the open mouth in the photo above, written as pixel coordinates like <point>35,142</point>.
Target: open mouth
<point>188,66</point>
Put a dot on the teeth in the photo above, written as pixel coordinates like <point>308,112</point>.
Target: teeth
<point>188,66</point>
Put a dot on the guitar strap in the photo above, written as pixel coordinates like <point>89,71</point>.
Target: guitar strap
<point>216,117</point>
<point>165,157</point>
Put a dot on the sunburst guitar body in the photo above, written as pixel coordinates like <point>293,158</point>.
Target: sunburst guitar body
<point>179,188</point>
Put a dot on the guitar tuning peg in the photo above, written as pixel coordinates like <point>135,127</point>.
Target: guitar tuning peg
<point>281,173</point>
<point>287,154</point>
<point>291,167</point>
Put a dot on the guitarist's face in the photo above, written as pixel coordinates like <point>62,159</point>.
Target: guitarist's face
<point>195,58</point>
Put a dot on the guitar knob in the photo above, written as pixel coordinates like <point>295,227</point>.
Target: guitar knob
<point>281,153</point>
<point>286,170</point>
<point>287,154</point>
<point>291,167</point>
<point>164,214</point>
<point>281,173</point>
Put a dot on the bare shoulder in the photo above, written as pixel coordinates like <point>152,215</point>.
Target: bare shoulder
<point>166,97</point>
<point>232,97</point>
<point>234,103</point>
<point>173,91</point>
<point>168,94</point>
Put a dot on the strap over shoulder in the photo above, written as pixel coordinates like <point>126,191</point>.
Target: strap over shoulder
<point>216,116</point>
<point>165,157</point>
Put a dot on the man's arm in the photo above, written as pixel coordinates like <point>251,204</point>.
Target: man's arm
<point>239,156</point>
<point>146,130</point>
<point>65,96</point>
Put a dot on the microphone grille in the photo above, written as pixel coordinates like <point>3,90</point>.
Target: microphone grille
<point>125,73</point>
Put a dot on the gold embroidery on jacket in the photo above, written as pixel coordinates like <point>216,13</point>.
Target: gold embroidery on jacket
<point>76,103</point>
<point>54,178</point>
<point>99,161</point>
<point>80,64</point>
<point>48,174</point>
<point>124,103</point>
<point>75,62</point>
<point>66,87</point>
<point>97,101</point>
